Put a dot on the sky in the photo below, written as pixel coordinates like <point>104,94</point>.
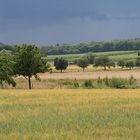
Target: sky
<point>46,22</point>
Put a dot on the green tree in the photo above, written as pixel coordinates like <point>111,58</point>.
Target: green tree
<point>91,58</point>
<point>28,62</point>
<point>121,63</point>
<point>6,68</point>
<point>130,64</point>
<point>102,61</point>
<point>138,62</point>
<point>83,63</point>
<point>60,64</point>
<point>111,64</point>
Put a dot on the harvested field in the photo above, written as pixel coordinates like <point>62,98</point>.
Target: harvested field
<point>93,75</point>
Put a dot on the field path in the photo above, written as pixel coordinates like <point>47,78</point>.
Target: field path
<point>93,75</point>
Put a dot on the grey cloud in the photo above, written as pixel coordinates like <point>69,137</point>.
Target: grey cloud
<point>69,21</point>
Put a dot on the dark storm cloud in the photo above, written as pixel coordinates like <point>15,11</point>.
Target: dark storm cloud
<point>52,21</point>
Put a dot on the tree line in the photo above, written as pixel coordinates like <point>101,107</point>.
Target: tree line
<point>104,46</point>
<point>99,61</point>
<point>6,47</point>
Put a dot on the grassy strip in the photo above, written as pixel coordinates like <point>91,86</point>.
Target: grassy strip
<point>100,83</point>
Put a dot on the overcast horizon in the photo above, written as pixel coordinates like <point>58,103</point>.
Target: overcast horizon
<point>46,22</point>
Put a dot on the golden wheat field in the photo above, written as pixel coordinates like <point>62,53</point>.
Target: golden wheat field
<point>74,114</point>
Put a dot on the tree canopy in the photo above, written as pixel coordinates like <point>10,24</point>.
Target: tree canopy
<point>60,64</point>
<point>103,61</point>
<point>83,62</point>
<point>28,62</point>
<point>6,68</point>
<point>103,46</point>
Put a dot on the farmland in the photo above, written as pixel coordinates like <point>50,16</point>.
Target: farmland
<point>72,105</point>
<point>92,74</point>
<point>115,55</point>
<point>70,114</point>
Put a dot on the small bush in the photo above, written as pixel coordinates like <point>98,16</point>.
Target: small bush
<point>88,84</point>
<point>106,81</point>
<point>76,84</point>
<point>65,82</point>
<point>99,81</point>
<point>118,83</point>
<point>132,81</point>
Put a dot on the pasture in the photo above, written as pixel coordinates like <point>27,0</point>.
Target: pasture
<point>70,114</point>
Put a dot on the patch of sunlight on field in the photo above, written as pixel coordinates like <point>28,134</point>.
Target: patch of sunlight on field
<point>81,114</point>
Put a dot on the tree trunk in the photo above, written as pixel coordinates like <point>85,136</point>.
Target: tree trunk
<point>83,69</point>
<point>104,67</point>
<point>29,79</point>
<point>1,84</point>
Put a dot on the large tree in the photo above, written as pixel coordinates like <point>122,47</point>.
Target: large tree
<point>6,68</point>
<point>28,62</point>
<point>60,64</point>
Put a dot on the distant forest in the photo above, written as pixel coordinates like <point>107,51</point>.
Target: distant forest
<point>104,46</point>
<point>117,45</point>
<point>6,47</point>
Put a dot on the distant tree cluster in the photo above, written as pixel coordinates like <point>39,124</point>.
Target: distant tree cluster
<point>104,46</point>
<point>129,64</point>
<point>6,47</point>
<point>102,61</point>
<point>105,62</point>
<point>117,45</point>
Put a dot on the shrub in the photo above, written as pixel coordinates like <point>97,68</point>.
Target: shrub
<point>88,84</point>
<point>132,81</point>
<point>76,84</point>
<point>118,83</point>
<point>65,82</point>
<point>99,81</point>
<point>106,81</point>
